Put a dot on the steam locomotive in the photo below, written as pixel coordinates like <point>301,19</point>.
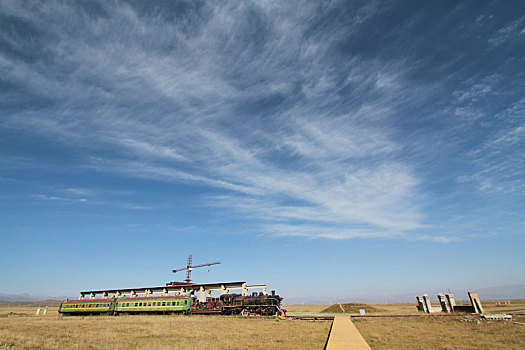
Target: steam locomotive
<point>236,304</point>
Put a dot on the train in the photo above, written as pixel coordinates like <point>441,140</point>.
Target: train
<point>257,304</point>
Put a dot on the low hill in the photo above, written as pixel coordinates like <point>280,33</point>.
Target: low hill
<point>351,308</point>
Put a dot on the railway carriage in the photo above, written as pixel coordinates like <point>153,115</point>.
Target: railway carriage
<point>154,305</point>
<point>87,307</point>
<point>140,305</point>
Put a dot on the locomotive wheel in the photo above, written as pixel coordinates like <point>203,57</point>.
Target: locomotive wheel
<point>244,313</point>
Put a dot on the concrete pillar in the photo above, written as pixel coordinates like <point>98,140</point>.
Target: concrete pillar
<point>428,305</point>
<point>451,301</point>
<point>81,296</point>
<point>421,304</point>
<point>208,293</point>
<point>202,297</point>
<point>443,302</point>
<point>244,290</point>
<point>265,292</point>
<point>104,295</point>
<point>148,293</point>
<point>476,303</point>
<point>224,290</point>
<point>91,295</point>
<point>117,294</point>
<point>164,292</point>
<point>182,291</point>
<point>133,294</point>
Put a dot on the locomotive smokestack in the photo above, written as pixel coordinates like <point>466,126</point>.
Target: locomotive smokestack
<point>273,293</point>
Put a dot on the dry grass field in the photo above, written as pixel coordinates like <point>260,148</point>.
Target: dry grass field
<point>461,332</point>
<point>20,329</point>
<point>395,308</point>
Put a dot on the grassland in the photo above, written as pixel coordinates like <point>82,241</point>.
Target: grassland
<point>393,308</point>
<point>430,332</point>
<point>20,329</point>
<point>352,308</point>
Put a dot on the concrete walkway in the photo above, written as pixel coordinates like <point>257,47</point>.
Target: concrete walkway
<point>344,335</point>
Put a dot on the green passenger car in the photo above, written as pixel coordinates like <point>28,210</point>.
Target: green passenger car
<point>167,304</point>
<point>141,305</point>
<point>87,307</point>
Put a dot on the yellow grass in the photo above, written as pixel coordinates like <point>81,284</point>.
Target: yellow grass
<point>405,308</point>
<point>434,332</point>
<point>21,329</point>
<point>155,332</point>
<point>298,309</point>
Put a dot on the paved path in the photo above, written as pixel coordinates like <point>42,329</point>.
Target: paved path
<point>344,335</point>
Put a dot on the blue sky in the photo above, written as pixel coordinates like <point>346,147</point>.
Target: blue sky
<point>369,147</point>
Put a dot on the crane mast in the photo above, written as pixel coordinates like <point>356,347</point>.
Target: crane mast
<point>189,267</point>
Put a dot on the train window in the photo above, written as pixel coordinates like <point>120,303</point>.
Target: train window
<point>149,304</point>
<point>163,303</point>
<point>185,302</point>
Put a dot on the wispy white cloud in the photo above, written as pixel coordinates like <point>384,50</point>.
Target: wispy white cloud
<point>249,98</point>
<point>498,162</point>
<point>507,32</point>
<point>55,198</point>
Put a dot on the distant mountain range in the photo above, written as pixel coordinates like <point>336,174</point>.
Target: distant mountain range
<point>487,293</point>
<point>29,297</point>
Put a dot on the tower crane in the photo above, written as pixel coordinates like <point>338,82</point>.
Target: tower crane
<point>190,267</point>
